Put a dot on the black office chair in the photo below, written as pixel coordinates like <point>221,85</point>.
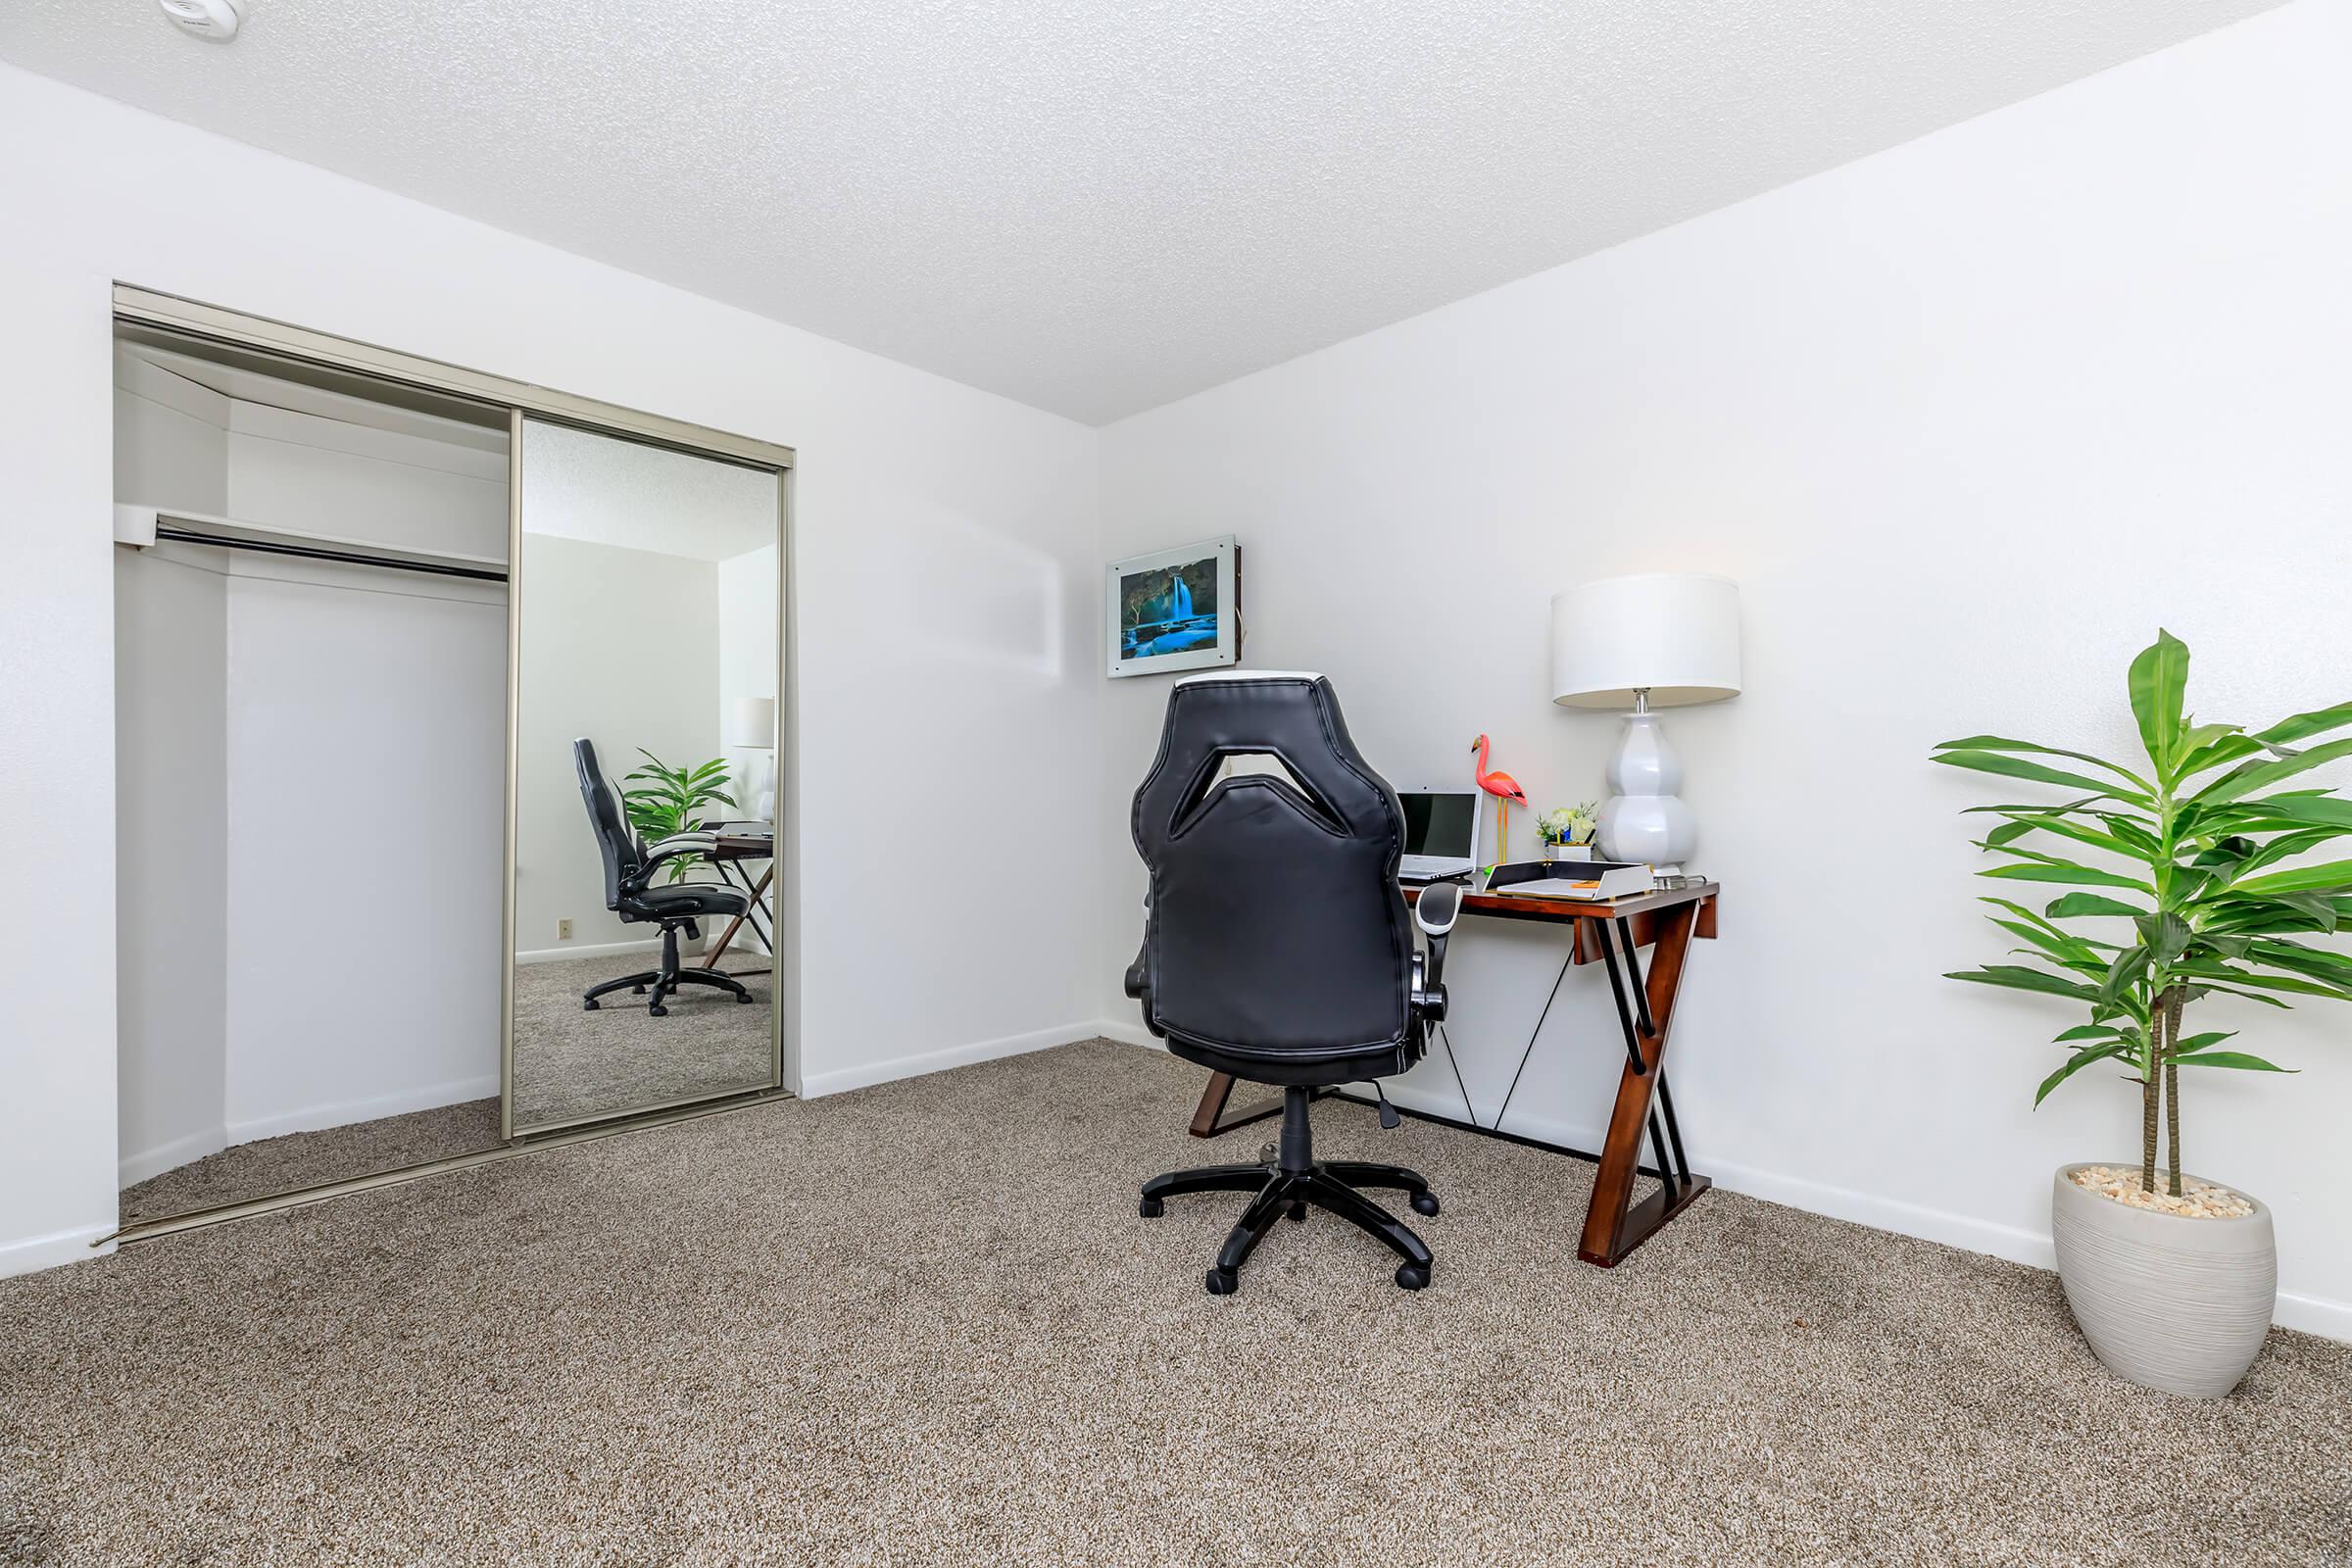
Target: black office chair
<point>629,867</point>
<point>1276,946</point>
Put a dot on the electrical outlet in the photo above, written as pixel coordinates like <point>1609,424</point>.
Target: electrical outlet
<point>562,930</point>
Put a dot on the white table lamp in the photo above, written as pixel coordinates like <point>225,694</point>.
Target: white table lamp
<point>1660,640</point>
<point>755,731</point>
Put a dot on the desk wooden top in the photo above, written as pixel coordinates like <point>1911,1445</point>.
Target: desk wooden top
<point>1642,912</point>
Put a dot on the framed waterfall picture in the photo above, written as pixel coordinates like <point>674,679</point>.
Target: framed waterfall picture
<point>1176,609</point>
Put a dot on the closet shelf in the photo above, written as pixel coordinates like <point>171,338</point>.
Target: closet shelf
<point>145,525</point>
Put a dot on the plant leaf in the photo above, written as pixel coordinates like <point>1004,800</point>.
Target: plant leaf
<point>2000,743</point>
<point>2064,871</point>
<point>2230,1059</point>
<point>2069,904</point>
<point>2076,1063</point>
<point>2158,677</point>
<point>2018,767</point>
<point>2267,982</point>
<point>2318,720</point>
<point>2016,977</point>
<point>2248,777</point>
<point>2321,810</point>
<point>2328,878</point>
<point>2165,934</point>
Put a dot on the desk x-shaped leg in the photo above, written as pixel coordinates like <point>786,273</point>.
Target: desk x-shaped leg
<point>1614,1224</point>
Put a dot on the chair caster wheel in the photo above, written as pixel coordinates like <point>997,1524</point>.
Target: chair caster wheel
<point>1150,1209</point>
<point>636,990</point>
<point>1412,1278</point>
<point>745,1000</point>
<point>658,1013</point>
<point>1223,1282</point>
<point>590,1006</point>
<point>1425,1203</point>
<point>1297,1213</point>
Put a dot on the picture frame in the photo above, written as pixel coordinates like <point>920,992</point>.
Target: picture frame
<point>1175,609</point>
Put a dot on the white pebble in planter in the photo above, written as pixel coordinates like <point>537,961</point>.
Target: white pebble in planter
<point>2169,1302</point>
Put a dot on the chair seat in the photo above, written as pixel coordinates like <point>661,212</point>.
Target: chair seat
<point>680,899</point>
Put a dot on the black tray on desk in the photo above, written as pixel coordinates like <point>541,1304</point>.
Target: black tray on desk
<point>1511,874</point>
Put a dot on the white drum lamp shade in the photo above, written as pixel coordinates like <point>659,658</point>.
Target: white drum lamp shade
<point>1659,640</point>
<point>1674,635</point>
<point>754,722</point>
<point>755,731</point>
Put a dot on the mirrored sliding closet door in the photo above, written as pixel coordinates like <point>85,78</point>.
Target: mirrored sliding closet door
<point>647,670</point>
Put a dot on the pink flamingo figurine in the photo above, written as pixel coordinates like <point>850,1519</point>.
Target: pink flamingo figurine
<point>1504,788</point>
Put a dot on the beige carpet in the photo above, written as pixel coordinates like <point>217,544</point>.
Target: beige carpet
<point>268,1166</point>
<point>571,1063</point>
<point>922,1324</point>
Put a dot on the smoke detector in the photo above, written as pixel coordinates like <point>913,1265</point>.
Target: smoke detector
<point>212,21</point>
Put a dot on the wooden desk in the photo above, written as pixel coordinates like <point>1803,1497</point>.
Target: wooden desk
<point>1610,934</point>
<point>734,847</point>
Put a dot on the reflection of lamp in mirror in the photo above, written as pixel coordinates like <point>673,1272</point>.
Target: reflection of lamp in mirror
<point>756,733</point>
<point>1662,640</point>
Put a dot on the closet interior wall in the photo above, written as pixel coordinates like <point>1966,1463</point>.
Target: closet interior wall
<point>310,769</point>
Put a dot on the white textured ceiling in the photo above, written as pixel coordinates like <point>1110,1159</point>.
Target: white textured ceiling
<point>1092,206</point>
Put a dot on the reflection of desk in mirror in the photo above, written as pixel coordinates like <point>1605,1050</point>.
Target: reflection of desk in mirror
<point>739,843</point>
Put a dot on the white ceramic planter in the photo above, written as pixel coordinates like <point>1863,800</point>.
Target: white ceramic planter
<point>2167,1301</point>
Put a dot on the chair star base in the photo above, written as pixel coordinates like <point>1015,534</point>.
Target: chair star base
<point>1292,1184</point>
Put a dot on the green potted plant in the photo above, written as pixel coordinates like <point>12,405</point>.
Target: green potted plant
<point>1567,831</point>
<point>671,800</point>
<point>2186,877</point>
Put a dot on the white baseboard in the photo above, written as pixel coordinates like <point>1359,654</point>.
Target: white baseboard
<point>1128,1032</point>
<point>48,1252</point>
<point>839,1080</point>
<point>342,1113</point>
<point>2311,1314</point>
<point>132,1169</point>
<point>594,950</point>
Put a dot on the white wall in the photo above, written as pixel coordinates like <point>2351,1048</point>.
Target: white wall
<point>172,836</point>
<point>943,556</point>
<point>747,661</point>
<point>1968,421</point>
<point>365,796</point>
<point>620,646</point>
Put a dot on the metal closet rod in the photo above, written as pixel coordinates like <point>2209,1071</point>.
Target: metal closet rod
<point>189,536</point>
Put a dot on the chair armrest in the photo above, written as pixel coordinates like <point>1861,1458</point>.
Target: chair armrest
<point>674,847</point>
<point>1139,984</point>
<point>1435,913</point>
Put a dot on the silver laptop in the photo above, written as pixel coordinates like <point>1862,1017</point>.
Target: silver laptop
<point>1441,833</point>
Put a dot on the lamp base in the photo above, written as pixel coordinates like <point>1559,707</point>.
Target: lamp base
<point>1644,822</point>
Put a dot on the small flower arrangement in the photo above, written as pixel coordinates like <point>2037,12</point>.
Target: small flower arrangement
<point>1568,824</point>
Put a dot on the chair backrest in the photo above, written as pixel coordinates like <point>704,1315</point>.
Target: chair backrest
<point>615,841</point>
<point>1276,931</point>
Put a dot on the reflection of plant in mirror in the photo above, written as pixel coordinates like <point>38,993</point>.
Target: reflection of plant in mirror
<point>671,800</point>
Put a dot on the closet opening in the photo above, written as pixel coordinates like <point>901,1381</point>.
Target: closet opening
<point>311,649</point>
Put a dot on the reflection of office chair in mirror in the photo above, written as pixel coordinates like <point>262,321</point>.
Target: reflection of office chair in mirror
<point>629,867</point>
<point>1276,946</point>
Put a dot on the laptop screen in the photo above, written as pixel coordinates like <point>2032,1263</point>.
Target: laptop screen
<point>1440,822</point>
